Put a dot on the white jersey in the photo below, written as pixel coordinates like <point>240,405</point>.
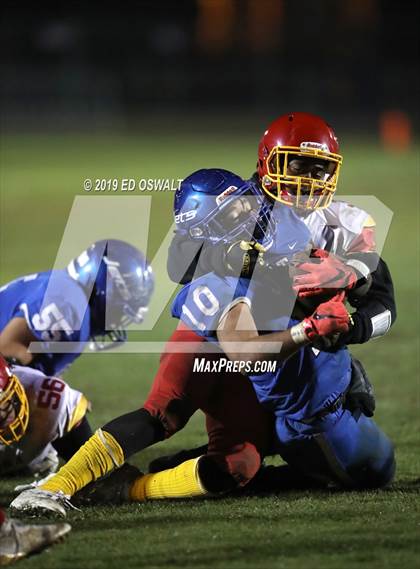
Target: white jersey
<point>341,228</point>
<point>54,409</point>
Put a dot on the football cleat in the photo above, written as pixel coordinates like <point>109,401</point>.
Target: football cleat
<point>18,540</point>
<point>112,489</point>
<point>34,484</point>
<point>36,502</point>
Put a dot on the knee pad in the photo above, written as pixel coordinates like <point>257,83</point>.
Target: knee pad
<point>377,475</point>
<point>224,471</point>
<point>379,478</point>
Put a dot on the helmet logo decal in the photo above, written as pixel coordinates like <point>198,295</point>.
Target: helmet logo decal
<point>117,278</point>
<point>185,216</point>
<point>317,145</point>
<point>225,194</point>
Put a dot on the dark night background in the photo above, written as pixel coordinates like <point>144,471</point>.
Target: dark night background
<point>89,66</point>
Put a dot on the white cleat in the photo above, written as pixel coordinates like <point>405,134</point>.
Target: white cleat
<point>37,482</point>
<point>18,540</point>
<point>35,502</point>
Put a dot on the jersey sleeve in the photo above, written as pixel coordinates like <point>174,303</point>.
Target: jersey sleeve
<point>202,304</point>
<point>343,229</point>
<point>365,240</point>
<point>55,408</point>
<point>358,228</point>
<point>65,406</point>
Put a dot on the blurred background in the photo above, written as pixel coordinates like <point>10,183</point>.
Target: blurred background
<point>159,89</point>
<point>88,65</point>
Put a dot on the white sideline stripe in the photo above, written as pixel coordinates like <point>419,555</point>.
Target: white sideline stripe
<point>148,347</point>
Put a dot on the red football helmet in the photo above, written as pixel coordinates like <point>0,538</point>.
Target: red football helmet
<point>14,407</point>
<point>298,161</point>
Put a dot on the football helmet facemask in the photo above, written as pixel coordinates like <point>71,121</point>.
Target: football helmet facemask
<point>14,407</point>
<point>216,205</point>
<point>298,161</point>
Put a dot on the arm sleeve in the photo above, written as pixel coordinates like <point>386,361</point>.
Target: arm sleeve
<point>376,311</point>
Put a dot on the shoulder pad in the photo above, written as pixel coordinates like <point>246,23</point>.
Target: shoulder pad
<point>348,216</point>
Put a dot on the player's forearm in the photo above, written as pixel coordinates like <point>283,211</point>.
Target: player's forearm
<point>16,352</point>
<point>241,341</point>
<point>15,339</point>
<point>255,348</point>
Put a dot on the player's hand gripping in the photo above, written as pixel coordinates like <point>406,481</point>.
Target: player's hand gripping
<point>329,318</point>
<point>321,273</point>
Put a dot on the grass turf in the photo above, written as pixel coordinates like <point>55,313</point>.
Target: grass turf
<point>38,180</point>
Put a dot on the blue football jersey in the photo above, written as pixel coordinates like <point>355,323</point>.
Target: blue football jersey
<point>55,308</point>
<point>301,386</point>
<point>202,303</point>
<point>291,236</point>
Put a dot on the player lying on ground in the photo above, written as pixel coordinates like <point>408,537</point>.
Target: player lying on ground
<point>111,277</point>
<point>41,419</point>
<point>19,540</point>
<point>70,479</point>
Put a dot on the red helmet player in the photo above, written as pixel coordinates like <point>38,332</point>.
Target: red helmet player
<point>14,408</point>
<point>298,161</point>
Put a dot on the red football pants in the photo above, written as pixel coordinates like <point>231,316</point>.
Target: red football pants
<point>237,425</point>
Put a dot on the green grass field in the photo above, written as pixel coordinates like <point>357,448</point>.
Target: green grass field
<point>40,175</point>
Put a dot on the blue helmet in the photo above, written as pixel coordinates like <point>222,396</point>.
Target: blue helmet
<point>119,282</point>
<point>218,206</point>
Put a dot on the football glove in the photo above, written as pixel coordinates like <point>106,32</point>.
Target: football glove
<point>360,397</point>
<point>321,273</point>
<point>329,318</point>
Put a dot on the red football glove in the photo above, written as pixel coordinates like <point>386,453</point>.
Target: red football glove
<point>329,318</point>
<point>322,272</point>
